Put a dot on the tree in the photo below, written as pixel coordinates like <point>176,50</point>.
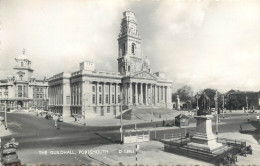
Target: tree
<point>185,93</point>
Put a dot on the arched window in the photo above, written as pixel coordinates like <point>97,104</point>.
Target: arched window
<point>123,49</point>
<point>22,64</point>
<point>133,48</point>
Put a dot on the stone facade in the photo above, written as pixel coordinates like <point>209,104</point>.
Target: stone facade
<point>94,93</point>
<point>22,90</point>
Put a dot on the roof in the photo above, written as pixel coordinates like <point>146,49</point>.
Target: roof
<point>182,116</point>
<point>243,92</point>
<point>6,151</point>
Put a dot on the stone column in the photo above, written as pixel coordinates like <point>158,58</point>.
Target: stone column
<point>146,92</point>
<point>163,92</point>
<point>116,93</point>
<point>136,94</point>
<point>141,93</point>
<point>156,94</point>
<point>166,95</point>
<point>103,93</point>
<point>97,93</point>
<point>130,97</point>
<point>110,93</point>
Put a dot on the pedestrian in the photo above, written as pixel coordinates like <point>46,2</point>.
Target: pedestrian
<point>55,123</point>
<point>248,118</point>
<point>257,118</point>
<point>187,135</point>
<point>163,123</point>
<point>75,119</point>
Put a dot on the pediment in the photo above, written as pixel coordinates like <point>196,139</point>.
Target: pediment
<point>144,75</point>
<point>20,73</point>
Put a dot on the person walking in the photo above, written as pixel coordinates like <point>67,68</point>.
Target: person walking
<point>163,123</point>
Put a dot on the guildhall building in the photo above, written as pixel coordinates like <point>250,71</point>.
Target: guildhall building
<point>93,93</point>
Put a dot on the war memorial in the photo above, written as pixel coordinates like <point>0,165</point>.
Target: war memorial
<point>204,144</point>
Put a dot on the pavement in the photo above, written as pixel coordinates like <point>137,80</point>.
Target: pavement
<point>4,132</point>
<point>103,121</point>
<point>152,153</point>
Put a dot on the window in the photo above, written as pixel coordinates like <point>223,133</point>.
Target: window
<point>38,96</point>
<point>21,77</point>
<point>93,99</point>
<point>129,68</point>
<point>38,89</point>
<point>20,91</point>
<point>118,98</point>
<point>113,89</point>
<point>93,88</point>
<point>21,64</point>
<point>100,99</point>
<point>106,99</point>
<point>41,89</point>
<point>123,49</point>
<point>133,48</point>
<point>108,109</point>
<point>106,88</point>
<point>113,98</point>
<point>100,89</point>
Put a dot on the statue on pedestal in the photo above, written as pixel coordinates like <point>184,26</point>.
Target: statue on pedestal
<point>204,105</point>
<point>178,103</point>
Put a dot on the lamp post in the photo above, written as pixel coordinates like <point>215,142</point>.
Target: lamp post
<point>5,117</point>
<point>223,98</point>
<point>246,102</point>
<point>197,100</point>
<point>121,119</point>
<point>151,108</point>
<point>216,109</point>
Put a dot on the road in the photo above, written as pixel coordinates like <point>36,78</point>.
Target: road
<point>37,135</point>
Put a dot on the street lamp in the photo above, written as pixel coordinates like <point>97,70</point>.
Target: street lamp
<point>197,100</point>
<point>216,109</point>
<point>246,102</point>
<point>5,117</point>
<point>151,108</point>
<point>121,119</point>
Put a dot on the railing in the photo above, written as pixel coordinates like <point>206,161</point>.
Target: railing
<point>232,142</point>
<point>136,136</point>
<point>178,146</point>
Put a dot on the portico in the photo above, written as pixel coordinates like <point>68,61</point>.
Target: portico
<point>143,88</point>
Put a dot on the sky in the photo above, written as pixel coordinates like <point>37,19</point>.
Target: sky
<point>202,44</point>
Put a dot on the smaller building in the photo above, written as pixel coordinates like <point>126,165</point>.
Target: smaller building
<point>243,99</point>
<point>182,120</point>
<point>22,90</point>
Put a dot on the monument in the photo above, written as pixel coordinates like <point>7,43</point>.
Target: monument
<point>204,138</point>
<point>178,103</point>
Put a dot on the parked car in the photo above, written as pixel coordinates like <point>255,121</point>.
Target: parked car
<point>252,111</point>
<point>9,157</point>
<point>48,116</point>
<point>60,119</point>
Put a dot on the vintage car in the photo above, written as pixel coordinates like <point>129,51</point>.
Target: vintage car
<point>9,157</point>
<point>60,119</point>
<point>48,116</point>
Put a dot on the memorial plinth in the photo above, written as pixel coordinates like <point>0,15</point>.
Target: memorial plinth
<point>204,137</point>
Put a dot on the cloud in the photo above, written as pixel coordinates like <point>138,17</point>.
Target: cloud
<point>202,44</point>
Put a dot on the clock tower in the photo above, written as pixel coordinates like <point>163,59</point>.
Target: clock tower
<point>130,58</point>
